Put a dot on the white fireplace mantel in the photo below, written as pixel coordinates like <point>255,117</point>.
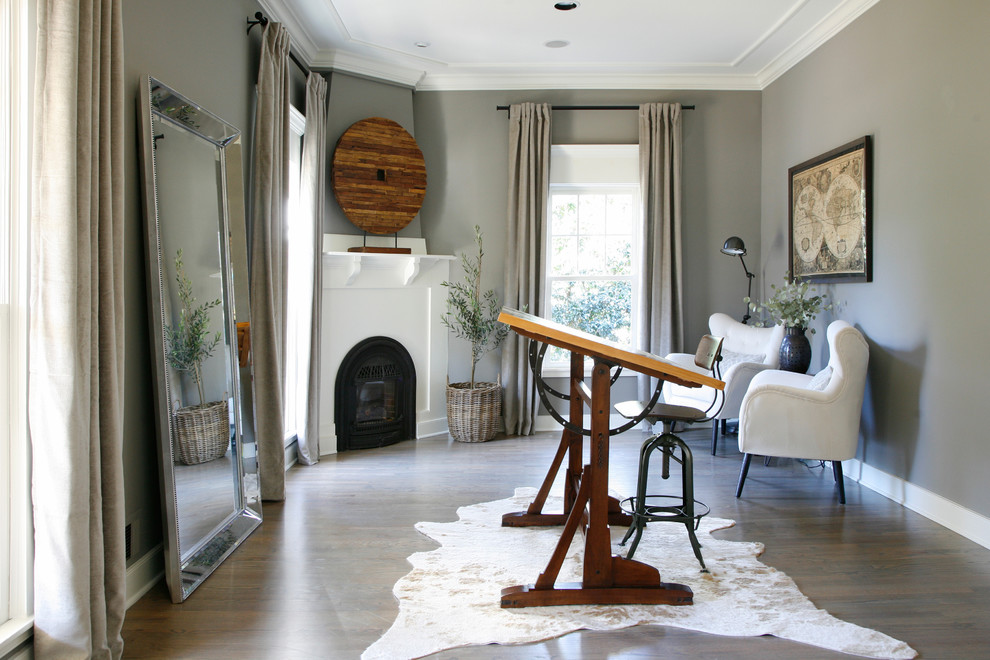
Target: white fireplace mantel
<point>403,268</point>
<point>393,295</point>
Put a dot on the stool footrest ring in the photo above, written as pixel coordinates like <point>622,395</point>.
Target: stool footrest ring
<point>655,511</point>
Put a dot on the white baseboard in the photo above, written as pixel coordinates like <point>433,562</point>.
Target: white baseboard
<point>431,427</point>
<point>963,521</point>
<point>145,573</point>
<point>291,454</point>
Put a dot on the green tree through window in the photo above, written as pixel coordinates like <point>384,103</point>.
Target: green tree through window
<point>591,278</point>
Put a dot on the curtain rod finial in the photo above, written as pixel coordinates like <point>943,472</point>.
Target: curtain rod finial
<point>259,19</point>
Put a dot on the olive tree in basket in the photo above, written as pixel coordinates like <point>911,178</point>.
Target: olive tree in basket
<point>203,430</point>
<point>474,408</point>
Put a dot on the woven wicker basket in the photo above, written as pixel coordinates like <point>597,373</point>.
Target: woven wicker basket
<point>203,432</point>
<point>473,414</point>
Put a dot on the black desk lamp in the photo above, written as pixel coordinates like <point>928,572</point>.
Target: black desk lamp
<point>734,247</point>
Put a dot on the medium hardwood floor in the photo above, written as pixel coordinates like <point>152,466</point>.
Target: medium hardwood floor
<point>315,580</point>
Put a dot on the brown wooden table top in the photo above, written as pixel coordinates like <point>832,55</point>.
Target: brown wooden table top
<point>556,334</point>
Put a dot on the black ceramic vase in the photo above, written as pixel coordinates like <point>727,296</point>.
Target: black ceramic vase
<point>795,350</point>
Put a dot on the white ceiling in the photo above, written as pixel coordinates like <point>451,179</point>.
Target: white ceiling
<point>612,44</point>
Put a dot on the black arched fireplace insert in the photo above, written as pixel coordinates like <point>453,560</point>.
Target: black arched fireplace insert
<point>375,395</point>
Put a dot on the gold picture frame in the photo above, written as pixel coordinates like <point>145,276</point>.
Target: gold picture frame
<point>830,228</point>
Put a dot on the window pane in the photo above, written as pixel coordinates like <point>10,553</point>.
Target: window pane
<point>299,283</point>
<point>563,258</point>
<point>599,307</point>
<point>619,213</point>
<point>591,214</point>
<point>591,256</point>
<point>618,250</point>
<point>563,215</point>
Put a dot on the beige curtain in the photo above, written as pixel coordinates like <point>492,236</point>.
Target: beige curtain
<point>660,302</point>
<point>529,184</point>
<point>313,190</point>
<point>270,185</point>
<point>77,330</point>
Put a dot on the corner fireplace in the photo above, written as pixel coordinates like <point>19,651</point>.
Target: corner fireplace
<point>375,395</point>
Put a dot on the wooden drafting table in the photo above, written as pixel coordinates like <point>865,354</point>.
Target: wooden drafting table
<point>607,578</point>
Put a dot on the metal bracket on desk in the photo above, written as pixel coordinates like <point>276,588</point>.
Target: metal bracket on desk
<point>537,352</point>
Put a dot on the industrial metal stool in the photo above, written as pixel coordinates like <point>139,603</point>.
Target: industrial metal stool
<point>684,508</point>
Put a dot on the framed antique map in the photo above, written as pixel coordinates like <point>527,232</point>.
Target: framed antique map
<point>830,212</point>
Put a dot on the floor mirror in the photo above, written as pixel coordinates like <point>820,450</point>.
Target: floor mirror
<point>200,333</point>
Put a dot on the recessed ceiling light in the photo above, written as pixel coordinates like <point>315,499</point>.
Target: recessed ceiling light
<point>565,6</point>
<point>422,44</point>
<point>557,43</point>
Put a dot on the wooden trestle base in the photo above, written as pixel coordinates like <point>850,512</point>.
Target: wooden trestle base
<point>575,593</point>
<point>607,578</point>
<point>616,517</point>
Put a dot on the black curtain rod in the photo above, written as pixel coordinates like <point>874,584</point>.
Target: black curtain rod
<point>262,20</point>
<point>594,107</point>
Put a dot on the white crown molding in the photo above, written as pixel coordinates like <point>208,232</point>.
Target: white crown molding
<point>344,62</point>
<point>811,40</point>
<point>572,80</point>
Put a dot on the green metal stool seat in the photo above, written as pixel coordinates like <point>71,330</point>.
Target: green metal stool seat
<point>646,508</point>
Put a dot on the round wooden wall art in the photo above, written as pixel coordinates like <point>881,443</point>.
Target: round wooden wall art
<point>378,175</point>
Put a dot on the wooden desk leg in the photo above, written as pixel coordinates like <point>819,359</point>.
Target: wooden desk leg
<point>598,541</point>
<point>533,516</point>
<point>576,447</point>
<point>571,445</point>
<point>607,578</point>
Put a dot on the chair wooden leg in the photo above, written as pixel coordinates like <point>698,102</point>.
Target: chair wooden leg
<point>742,473</point>
<point>714,435</point>
<point>837,473</point>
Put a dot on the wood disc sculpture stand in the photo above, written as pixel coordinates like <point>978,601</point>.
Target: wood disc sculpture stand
<point>607,578</point>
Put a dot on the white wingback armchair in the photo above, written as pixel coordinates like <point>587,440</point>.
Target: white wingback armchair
<point>746,351</point>
<point>814,417</point>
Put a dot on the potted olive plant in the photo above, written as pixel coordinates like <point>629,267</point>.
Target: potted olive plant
<point>791,306</point>
<point>474,408</point>
<point>202,430</point>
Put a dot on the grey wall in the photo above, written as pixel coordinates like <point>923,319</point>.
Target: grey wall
<point>912,74</point>
<point>201,50</point>
<point>465,144</point>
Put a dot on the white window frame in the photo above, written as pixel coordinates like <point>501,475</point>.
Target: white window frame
<point>292,405</point>
<point>593,169</point>
<point>16,538</point>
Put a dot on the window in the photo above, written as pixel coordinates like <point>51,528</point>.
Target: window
<point>298,287</point>
<point>593,242</point>
<point>15,511</point>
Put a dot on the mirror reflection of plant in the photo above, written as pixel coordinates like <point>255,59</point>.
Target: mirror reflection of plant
<point>180,112</point>
<point>471,314</point>
<point>790,304</point>
<point>189,343</point>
